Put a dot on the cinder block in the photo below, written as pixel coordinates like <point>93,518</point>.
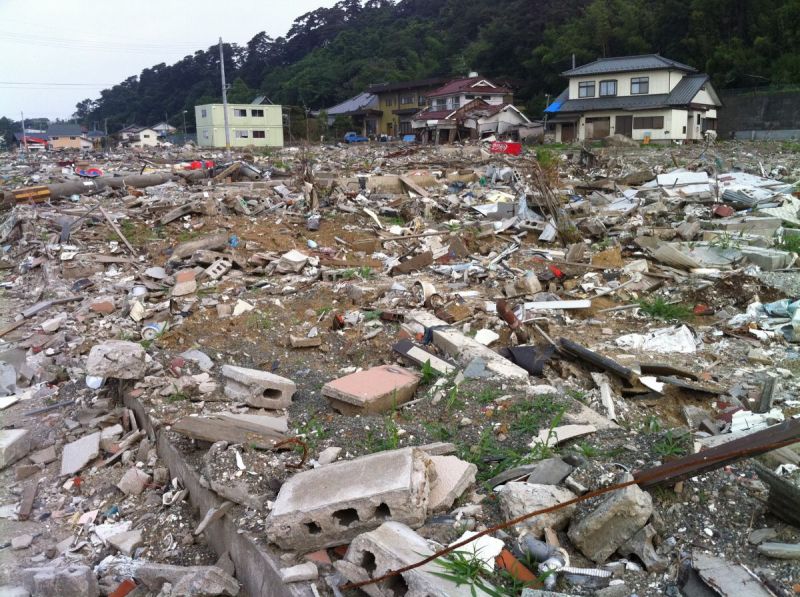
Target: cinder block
<point>14,444</point>
<point>392,546</point>
<point>258,388</point>
<point>372,391</point>
<point>330,505</point>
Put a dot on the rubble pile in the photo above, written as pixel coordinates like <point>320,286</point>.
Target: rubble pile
<point>293,372</point>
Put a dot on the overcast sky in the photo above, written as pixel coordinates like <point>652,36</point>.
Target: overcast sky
<point>55,53</point>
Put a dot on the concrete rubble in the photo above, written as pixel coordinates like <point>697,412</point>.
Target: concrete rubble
<point>333,361</point>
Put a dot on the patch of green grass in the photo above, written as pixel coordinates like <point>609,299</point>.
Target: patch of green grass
<point>546,157</point>
<point>661,309</point>
<point>487,395</point>
<point>313,431</point>
<point>543,449</point>
<point>323,311</point>
<point>791,146</point>
<point>588,450</point>
<point>177,397</point>
<point>725,240</point>
<point>365,272</point>
<point>671,445</point>
<point>440,431</point>
<point>532,415</point>
<point>372,315</point>
<point>578,395</point>
<point>395,221</point>
<point>788,243</point>
<point>387,439</point>
<point>258,320</point>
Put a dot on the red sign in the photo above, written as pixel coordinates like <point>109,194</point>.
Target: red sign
<point>504,147</point>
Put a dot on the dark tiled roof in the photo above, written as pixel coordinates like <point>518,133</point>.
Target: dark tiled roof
<point>64,130</point>
<point>627,63</point>
<point>385,87</point>
<point>356,103</point>
<point>682,94</point>
<point>467,86</point>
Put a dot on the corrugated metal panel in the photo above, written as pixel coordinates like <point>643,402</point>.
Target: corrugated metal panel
<point>626,102</point>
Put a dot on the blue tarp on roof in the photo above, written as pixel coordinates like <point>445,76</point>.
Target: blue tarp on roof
<point>554,107</point>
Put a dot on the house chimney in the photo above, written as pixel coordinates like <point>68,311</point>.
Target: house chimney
<point>573,61</point>
<point>472,74</point>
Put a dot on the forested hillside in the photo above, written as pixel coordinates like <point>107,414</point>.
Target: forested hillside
<point>332,53</point>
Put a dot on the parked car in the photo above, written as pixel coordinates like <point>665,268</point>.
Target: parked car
<point>353,137</point>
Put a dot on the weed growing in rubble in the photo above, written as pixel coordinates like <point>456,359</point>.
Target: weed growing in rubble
<point>671,445</point>
<point>452,399</point>
<point>389,441</point>
<point>661,309</point>
<point>466,568</point>
<point>543,449</point>
<point>651,424</point>
<point>789,243</point>
<point>372,315</point>
<point>440,431</point>
<point>724,240</point>
<point>365,273</point>
<point>429,374</point>
<point>487,395</point>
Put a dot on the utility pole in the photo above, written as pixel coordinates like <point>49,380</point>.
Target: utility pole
<point>184,126</point>
<point>105,129</point>
<point>224,100</point>
<point>24,134</point>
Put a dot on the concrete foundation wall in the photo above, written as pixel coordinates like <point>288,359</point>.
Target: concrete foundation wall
<point>764,116</point>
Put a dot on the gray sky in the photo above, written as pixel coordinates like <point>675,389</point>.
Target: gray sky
<point>71,49</point>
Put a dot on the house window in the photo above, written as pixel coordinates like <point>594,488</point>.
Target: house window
<point>72,138</point>
<point>640,85</point>
<point>388,101</point>
<point>242,134</point>
<point>54,138</point>
<point>405,127</point>
<point>146,136</point>
<point>257,113</point>
<point>240,112</point>
<point>406,99</point>
<point>439,104</point>
<point>698,120</point>
<point>469,96</point>
<point>203,113</point>
<point>648,122</point>
<point>205,134</point>
<point>608,88</point>
<point>259,135</point>
<point>586,89</point>
<point>421,100</point>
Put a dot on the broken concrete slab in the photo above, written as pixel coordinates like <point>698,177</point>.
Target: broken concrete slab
<point>117,359</point>
<point>14,444</point>
<point>43,456</point>
<point>453,476</point>
<point>199,581</point>
<point>127,541</point>
<point>372,391</point>
<point>392,546</point>
<point>258,388</point>
<point>550,471</point>
<point>463,348</point>
<point>70,579</point>
<point>518,498</point>
<point>330,505</point>
<point>133,481</point>
<point>79,453</point>
<point>641,545</point>
<point>300,572</point>
<point>561,434</point>
<point>613,522</point>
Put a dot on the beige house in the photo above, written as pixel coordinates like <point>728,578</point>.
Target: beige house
<point>67,136</point>
<point>256,125</point>
<point>647,98</point>
<point>139,136</point>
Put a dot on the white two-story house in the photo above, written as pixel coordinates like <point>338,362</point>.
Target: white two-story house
<point>647,98</point>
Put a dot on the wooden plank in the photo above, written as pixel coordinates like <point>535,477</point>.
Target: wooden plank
<point>254,430</point>
<point>406,180</point>
<point>118,231</point>
<point>10,327</point>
